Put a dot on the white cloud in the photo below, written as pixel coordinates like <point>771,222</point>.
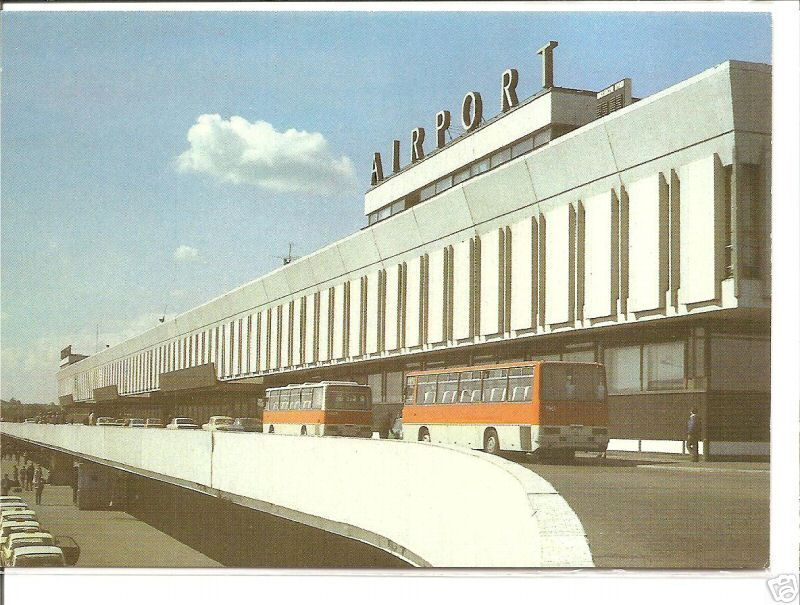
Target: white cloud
<point>186,253</point>
<point>237,151</point>
<point>29,369</point>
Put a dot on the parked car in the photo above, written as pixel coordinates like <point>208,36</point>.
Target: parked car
<point>29,538</point>
<point>216,423</point>
<point>37,556</point>
<point>182,423</point>
<point>8,500</point>
<point>18,515</point>
<point>70,549</point>
<point>245,425</point>
<point>105,421</point>
<point>11,527</point>
<point>153,423</point>
<point>30,421</point>
<point>136,423</point>
<point>14,506</point>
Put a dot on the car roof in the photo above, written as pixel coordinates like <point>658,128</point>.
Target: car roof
<point>21,523</point>
<point>29,534</point>
<point>17,511</point>
<point>38,550</point>
<point>11,499</point>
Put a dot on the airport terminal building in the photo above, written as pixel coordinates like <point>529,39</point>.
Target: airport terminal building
<point>572,225</point>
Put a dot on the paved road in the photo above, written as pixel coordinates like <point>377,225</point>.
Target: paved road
<point>664,512</point>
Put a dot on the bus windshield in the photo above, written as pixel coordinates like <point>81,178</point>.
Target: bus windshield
<point>573,382</point>
<point>348,399</point>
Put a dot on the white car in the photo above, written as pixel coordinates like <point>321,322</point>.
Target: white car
<point>105,421</point>
<point>31,538</point>
<point>182,423</point>
<point>216,423</point>
<point>14,506</point>
<point>18,515</point>
<point>37,556</point>
<point>9,500</point>
<point>136,423</point>
<point>12,527</point>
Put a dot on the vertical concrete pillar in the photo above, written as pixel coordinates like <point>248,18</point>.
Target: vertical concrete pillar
<point>95,486</point>
<point>60,469</point>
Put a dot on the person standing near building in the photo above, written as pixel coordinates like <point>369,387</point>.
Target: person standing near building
<point>693,434</point>
<point>29,476</point>
<point>5,485</point>
<point>38,484</point>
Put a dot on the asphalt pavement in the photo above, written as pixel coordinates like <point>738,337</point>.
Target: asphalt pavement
<point>665,512</point>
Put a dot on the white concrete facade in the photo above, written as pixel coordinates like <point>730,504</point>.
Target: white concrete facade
<point>599,227</point>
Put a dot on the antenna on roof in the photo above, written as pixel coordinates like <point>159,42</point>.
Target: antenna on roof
<point>288,258</point>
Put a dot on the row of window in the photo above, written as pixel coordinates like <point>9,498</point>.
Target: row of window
<point>489,386</point>
<point>471,170</point>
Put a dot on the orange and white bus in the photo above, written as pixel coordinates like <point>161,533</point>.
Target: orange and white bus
<point>551,406</point>
<point>319,408</point>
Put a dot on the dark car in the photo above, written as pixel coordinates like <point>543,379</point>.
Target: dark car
<point>244,425</point>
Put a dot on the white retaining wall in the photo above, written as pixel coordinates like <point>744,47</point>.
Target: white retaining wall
<point>431,504</point>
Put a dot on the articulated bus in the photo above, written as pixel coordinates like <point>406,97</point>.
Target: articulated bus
<point>319,408</point>
<point>551,406</point>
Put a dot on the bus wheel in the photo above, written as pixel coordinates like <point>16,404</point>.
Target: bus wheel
<point>424,435</point>
<point>303,431</point>
<point>491,444</point>
<point>271,429</point>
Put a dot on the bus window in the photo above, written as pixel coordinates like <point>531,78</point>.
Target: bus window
<point>520,384</point>
<point>317,398</point>
<point>294,399</point>
<point>567,382</point>
<point>470,389</point>
<point>447,389</point>
<point>495,385</point>
<point>305,398</point>
<point>348,399</point>
<point>426,389</point>
<point>408,395</point>
<point>284,401</point>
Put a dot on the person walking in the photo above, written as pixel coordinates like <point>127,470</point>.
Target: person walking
<point>73,482</point>
<point>5,485</point>
<point>694,431</point>
<point>29,476</point>
<point>16,477</point>
<point>38,484</point>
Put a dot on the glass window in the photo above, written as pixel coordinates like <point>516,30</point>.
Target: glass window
<point>294,399</point>
<point>501,157</point>
<point>316,398</point>
<point>447,389</point>
<point>470,389</point>
<point>426,389</point>
<point>664,366</point>
<point>394,387</point>
<point>520,384</point>
<point>523,146</point>
<point>578,356</point>
<point>411,383</point>
<point>567,382</point>
<point>284,403</point>
<point>348,398</point>
<point>306,399</point>
<point>623,366</point>
<point>495,385</point>
<point>479,167</point>
<point>739,363</point>
<point>444,184</point>
<point>375,382</point>
<point>373,218</point>
<point>427,192</point>
<point>398,206</point>
<point>460,177</point>
<point>384,212</point>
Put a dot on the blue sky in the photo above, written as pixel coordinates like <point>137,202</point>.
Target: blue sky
<point>97,107</point>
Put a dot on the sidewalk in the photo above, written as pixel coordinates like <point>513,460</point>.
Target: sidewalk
<point>683,461</point>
